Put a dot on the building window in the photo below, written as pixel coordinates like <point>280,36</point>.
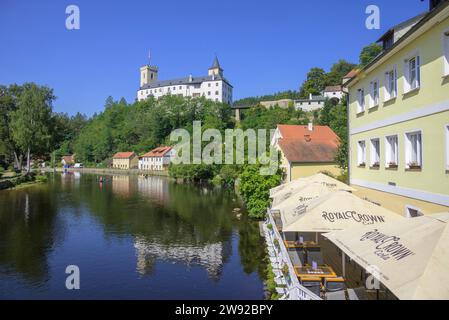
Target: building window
<point>360,100</point>
<point>216,84</point>
<point>446,52</point>
<point>375,153</point>
<point>216,93</point>
<point>374,94</point>
<point>208,84</point>
<point>361,154</point>
<point>413,150</point>
<point>412,212</point>
<point>447,147</point>
<point>412,74</point>
<point>391,84</point>
<point>391,152</point>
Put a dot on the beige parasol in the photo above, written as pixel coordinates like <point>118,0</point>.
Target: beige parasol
<point>411,258</point>
<point>290,189</point>
<point>337,210</point>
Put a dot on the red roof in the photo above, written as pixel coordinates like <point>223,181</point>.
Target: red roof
<point>68,159</point>
<point>123,155</point>
<point>351,74</point>
<point>158,152</point>
<point>299,144</point>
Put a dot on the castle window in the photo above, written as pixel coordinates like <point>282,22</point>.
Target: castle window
<point>446,52</point>
<point>216,93</point>
<point>360,100</point>
<point>361,153</point>
<point>208,93</point>
<point>447,146</point>
<point>391,86</point>
<point>375,153</point>
<point>374,94</point>
<point>391,151</point>
<point>413,150</point>
<point>412,73</point>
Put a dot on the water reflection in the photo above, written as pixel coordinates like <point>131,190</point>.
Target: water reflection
<point>103,225</point>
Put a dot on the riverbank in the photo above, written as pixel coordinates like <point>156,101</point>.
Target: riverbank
<point>108,171</point>
<point>17,181</point>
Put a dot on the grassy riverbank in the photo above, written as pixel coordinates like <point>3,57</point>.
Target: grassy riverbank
<point>13,180</point>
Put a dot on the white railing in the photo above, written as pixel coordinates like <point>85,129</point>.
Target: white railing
<point>295,289</point>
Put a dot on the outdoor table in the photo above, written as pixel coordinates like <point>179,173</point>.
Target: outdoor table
<point>297,245</point>
<point>321,272</point>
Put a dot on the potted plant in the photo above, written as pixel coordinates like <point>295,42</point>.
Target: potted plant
<point>285,272</point>
<point>414,165</point>
<point>276,244</point>
<point>270,227</point>
<point>392,165</point>
<point>362,165</point>
<point>376,165</point>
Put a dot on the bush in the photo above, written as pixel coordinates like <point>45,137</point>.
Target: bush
<point>255,188</point>
<point>192,172</point>
<point>41,178</point>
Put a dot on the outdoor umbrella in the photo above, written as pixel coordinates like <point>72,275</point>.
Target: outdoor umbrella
<point>334,211</point>
<point>411,258</point>
<point>302,195</point>
<point>290,189</point>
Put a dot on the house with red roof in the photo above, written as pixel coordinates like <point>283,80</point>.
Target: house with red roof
<point>157,159</point>
<point>125,160</point>
<point>68,160</point>
<point>306,150</point>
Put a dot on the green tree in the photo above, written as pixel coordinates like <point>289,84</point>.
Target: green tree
<point>31,121</point>
<point>369,53</point>
<point>314,84</point>
<point>338,71</point>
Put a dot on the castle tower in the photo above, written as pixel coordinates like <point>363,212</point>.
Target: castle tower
<point>215,69</point>
<point>148,74</point>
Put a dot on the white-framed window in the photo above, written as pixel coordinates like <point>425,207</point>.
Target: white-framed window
<point>446,52</point>
<point>375,153</point>
<point>391,151</point>
<point>412,212</point>
<point>413,150</point>
<point>361,153</point>
<point>360,100</point>
<point>412,73</point>
<point>391,84</point>
<point>374,93</point>
<point>447,146</point>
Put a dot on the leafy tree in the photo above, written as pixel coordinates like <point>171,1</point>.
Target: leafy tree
<point>314,84</point>
<point>338,71</point>
<point>369,53</point>
<point>255,188</point>
<point>31,121</point>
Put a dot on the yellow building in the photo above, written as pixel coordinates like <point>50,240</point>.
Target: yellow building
<point>399,118</point>
<point>306,150</point>
<point>125,160</point>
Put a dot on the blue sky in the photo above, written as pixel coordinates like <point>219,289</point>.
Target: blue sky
<point>263,46</point>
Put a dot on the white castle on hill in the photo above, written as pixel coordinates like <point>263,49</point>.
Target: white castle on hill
<point>213,86</point>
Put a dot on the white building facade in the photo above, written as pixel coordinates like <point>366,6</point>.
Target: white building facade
<point>157,159</point>
<point>213,86</point>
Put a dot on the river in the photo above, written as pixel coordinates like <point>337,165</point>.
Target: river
<point>131,238</point>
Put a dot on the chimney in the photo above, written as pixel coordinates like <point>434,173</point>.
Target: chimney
<point>190,78</point>
<point>310,127</point>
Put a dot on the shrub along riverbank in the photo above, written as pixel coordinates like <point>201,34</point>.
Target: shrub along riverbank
<point>21,180</point>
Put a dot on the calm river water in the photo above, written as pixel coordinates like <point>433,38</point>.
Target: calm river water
<point>131,237</point>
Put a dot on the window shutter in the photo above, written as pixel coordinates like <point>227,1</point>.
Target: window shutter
<point>395,84</point>
<point>387,87</point>
<point>418,71</point>
<point>406,76</point>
